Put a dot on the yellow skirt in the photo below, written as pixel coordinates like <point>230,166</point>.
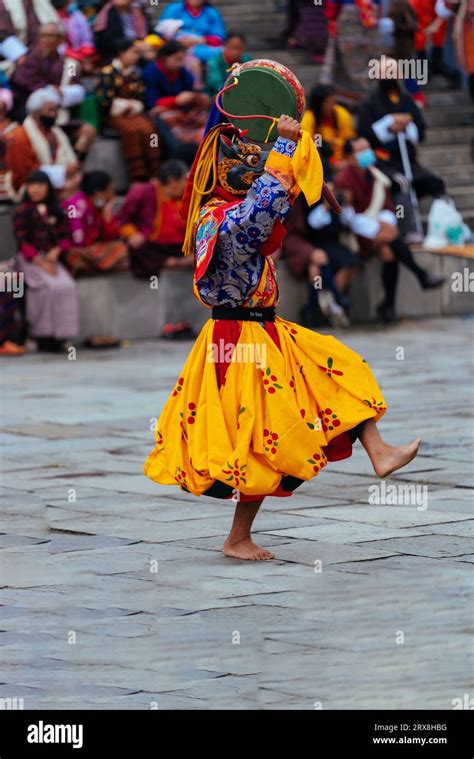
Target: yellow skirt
<point>275,417</point>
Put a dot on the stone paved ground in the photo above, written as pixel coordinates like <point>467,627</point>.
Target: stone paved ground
<point>84,622</point>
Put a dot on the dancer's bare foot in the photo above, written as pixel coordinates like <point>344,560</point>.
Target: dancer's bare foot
<point>394,457</point>
<point>247,550</point>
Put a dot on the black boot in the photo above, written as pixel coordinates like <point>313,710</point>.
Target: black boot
<point>386,309</point>
<point>387,313</point>
<point>50,345</point>
<point>430,281</point>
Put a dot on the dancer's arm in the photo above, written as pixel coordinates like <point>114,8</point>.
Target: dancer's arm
<point>248,225</point>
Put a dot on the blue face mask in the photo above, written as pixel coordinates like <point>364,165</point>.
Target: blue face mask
<point>366,158</point>
<point>72,8</point>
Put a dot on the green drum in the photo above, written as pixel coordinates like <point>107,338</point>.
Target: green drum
<point>263,88</point>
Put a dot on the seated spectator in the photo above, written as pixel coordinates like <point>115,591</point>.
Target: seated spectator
<point>38,143</point>
<point>332,121</point>
<point>385,115</point>
<point>22,19</point>
<point>121,95</point>
<point>313,252</point>
<point>218,67</point>
<point>7,127</point>
<point>42,234</point>
<point>152,224</point>
<point>375,224</point>
<point>202,27</point>
<point>179,111</point>
<point>307,27</point>
<point>119,21</point>
<point>44,66</point>
<point>76,26</point>
<point>96,247</point>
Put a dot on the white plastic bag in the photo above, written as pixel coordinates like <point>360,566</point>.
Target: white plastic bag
<point>445,225</point>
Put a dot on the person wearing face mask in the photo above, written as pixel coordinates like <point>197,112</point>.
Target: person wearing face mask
<point>388,112</point>
<point>374,223</point>
<point>78,31</point>
<point>88,202</point>
<point>38,142</point>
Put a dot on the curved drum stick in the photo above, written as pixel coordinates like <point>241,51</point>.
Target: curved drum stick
<point>330,198</point>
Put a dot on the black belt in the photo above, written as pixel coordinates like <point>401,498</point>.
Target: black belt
<point>241,313</point>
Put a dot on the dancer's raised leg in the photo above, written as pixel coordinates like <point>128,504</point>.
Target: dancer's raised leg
<point>386,458</point>
<point>239,544</point>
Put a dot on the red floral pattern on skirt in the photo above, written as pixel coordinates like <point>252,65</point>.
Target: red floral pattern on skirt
<point>229,330</point>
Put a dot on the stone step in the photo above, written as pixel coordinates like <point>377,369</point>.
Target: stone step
<point>444,99</point>
<point>444,135</point>
<point>438,156</point>
<point>463,198</point>
<point>256,21</point>
<point>298,61</point>
<point>447,116</point>
<point>246,7</point>
<point>458,176</point>
<point>291,58</point>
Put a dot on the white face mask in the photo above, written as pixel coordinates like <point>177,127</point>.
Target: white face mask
<point>99,202</point>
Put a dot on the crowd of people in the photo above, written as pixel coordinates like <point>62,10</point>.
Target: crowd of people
<point>126,69</point>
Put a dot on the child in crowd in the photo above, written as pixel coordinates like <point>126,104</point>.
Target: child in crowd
<point>94,227</point>
<point>218,67</point>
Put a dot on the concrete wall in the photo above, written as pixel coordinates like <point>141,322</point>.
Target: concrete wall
<point>126,307</point>
<point>129,308</point>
